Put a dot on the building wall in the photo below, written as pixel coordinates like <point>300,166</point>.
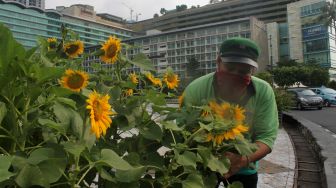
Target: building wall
<point>175,48</point>
<point>267,11</point>
<point>30,3</point>
<point>273,42</point>
<point>310,40</point>
<point>27,24</point>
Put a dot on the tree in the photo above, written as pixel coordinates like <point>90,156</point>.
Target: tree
<point>267,76</point>
<point>156,15</point>
<point>181,7</point>
<point>192,72</point>
<point>163,11</point>
<point>306,74</point>
<point>287,63</point>
<point>332,84</point>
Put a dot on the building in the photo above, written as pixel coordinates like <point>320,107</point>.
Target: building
<point>201,43</point>
<point>266,11</point>
<point>310,41</point>
<point>30,3</point>
<point>28,23</point>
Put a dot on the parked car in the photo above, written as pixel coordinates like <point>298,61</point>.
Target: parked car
<point>328,95</point>
<point>306,98</point>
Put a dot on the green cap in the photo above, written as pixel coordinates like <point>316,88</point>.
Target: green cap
<point>240,50</point>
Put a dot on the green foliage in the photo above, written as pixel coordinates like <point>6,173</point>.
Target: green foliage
<point>266,76</point>
<point>283,99</point>
<point>307,74</point>
<point>46,130</point>
<point>331,84</point>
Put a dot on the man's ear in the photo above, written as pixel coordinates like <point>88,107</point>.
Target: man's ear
<point>218,60</point>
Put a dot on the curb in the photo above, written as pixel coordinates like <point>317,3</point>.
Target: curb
<point>323,143</point>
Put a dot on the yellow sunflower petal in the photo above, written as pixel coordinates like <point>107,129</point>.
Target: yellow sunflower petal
<point>171,80</point>
<point>100,111</point>
<point>74,80</point>
<point>111,49</point>
<point>73,49</point>
<point>134,79</point>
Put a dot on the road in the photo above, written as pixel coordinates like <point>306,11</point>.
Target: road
<point>325,117</point>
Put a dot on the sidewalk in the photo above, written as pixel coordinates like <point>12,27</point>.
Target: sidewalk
<point>277,168</point>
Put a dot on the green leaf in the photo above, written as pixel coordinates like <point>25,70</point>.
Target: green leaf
<point>3,111</point>
<point>171,125</point>
<point>187,159</point>
<point>130,175</point>
<point>48,73</point>
<point>142,61</point>
<point>63,114</point>
<point>68,102</point>
<point>221,166</point>
<point>51,124</point>
<point>236,184</point>
<point>105,175</point>
<point>52,170</point>
<point>5,163</point>
<point>244,148</point>
<point>113,160</point>
<point>74,148</point>
<point>151,131</point>
<point>77,124</point>
<point>31,175</point>
<point>115,93</point>
<point>88,138</point>
<point>40,155</point>
<point>30,52</point>
<point>193,181</point>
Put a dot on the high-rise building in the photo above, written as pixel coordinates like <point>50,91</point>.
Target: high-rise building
<point>28,23</point>
<point>30,3</point>
<point>310,41</point>
<point>200,44</point>
<point>267,11</point>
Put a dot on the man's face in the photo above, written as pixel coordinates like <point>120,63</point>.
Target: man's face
<point>241,69</point>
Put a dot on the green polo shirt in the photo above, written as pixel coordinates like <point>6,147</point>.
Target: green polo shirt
<point>261,111</point>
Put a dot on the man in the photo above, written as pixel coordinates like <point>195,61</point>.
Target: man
<point>233,82</point>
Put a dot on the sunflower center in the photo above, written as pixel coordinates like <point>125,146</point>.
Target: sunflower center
<point>72,48</point>
<point>170,79</point>
<point>52,44</point>
<point>111,51</point>
<point>98,110</point>
<point>76,81</point>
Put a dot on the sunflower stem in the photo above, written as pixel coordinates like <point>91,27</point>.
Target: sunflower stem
<point>193,135</point>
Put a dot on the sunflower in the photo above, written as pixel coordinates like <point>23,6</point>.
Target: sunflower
<point>128,92</point>
<point>230,113</point>
<point>52,43</point>
<point>134,79</point>
<point>171,80</point>
<point>230,134</point>
<point>100,112</point>
<point>73,49</point>
<point>111,49</point>
<point>153,80</point>
<point>221,110</point>
<point>239,113</point>
<point>74,80</point>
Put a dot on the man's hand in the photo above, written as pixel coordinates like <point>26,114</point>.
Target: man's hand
<point>237,162</point>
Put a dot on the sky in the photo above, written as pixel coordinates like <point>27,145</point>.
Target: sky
<point>121,8</point>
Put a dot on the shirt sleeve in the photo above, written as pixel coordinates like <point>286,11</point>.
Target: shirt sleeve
<point>266,122</point>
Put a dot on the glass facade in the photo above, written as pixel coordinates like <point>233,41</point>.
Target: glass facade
<point>316,37</point>
<point>283,41</point>
<point>27,24</point>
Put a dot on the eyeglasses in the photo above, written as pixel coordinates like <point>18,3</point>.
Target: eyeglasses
<point>238,68</point>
